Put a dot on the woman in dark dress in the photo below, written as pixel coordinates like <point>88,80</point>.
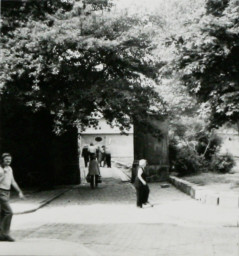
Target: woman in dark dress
<point>142,188</point>
<point>94,171</point>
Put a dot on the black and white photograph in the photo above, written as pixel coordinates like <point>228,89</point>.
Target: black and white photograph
<point>119,128</point>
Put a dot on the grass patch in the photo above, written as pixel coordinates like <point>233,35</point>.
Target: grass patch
<point>204,179</point>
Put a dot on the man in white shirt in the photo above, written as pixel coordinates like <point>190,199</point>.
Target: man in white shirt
<point>92,149</point>
<point>6,181</point>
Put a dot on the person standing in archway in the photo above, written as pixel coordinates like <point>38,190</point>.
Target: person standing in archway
<point>85,154</point>
<point>108,156</point>
<point>100,155</point>
<point>94,171</point>
<point>92,150</point>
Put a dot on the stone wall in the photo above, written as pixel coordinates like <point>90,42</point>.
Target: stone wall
<point>154,150</point>
<point>40,157</point>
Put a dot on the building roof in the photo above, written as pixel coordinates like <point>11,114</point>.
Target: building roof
<point>104,128</point>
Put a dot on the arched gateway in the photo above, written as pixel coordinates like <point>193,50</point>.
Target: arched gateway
<point>133,145</point>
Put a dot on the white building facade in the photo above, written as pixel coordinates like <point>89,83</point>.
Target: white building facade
<point>120,145</point>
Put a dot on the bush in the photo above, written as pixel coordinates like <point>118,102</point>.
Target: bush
<point>193,148</point>
<point>210,142</point>
<point>222,163</point>
<point>188,162</point>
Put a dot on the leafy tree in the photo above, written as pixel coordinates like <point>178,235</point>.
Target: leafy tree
<point>80,58</point>
<point>179,103</point>
<point>208,60</point>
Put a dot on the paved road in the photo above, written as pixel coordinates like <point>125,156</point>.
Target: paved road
<point>106,222</point>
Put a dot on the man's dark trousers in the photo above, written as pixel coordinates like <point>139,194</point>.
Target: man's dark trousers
<point>86,159</point>
<point>6,213</point>
<point>108,159</point>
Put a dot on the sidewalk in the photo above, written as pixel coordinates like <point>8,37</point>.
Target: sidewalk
<point>215,194</point>
<point>105,221</point>
<point>44,247</point>
<point>36,199</point>
<point>208,194</point>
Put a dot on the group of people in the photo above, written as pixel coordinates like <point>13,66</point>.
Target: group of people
<point>141,186</point>
<point>7,180</point>
<point>102,154</point>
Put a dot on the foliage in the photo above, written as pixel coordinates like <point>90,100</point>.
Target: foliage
<point>183,144</point>
<point>188,162</point>
<point>178,101</point>
<point>194,148</point>
<point>222,163</point>
<point>209,144</point>
<point>77,59</point>
<point>188,130</point>
<point>208,59</point>
<point>15,14</point>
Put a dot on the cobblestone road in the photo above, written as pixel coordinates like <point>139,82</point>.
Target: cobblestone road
<point>106,222</point>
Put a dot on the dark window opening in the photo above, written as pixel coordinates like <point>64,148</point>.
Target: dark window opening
<point>98,139</point>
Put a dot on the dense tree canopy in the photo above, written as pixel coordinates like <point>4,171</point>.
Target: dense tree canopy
<point>208,59</point>
<point>78,58</point>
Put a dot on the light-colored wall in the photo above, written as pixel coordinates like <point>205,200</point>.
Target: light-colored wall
<point>230,144</point>
<point>230,140</point>
<point>121,146</point>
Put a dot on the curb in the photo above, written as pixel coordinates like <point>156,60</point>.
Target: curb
<point>122,164</point>
<point>203,195</point>
<point>126,174</point>
<point>43,203</point>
